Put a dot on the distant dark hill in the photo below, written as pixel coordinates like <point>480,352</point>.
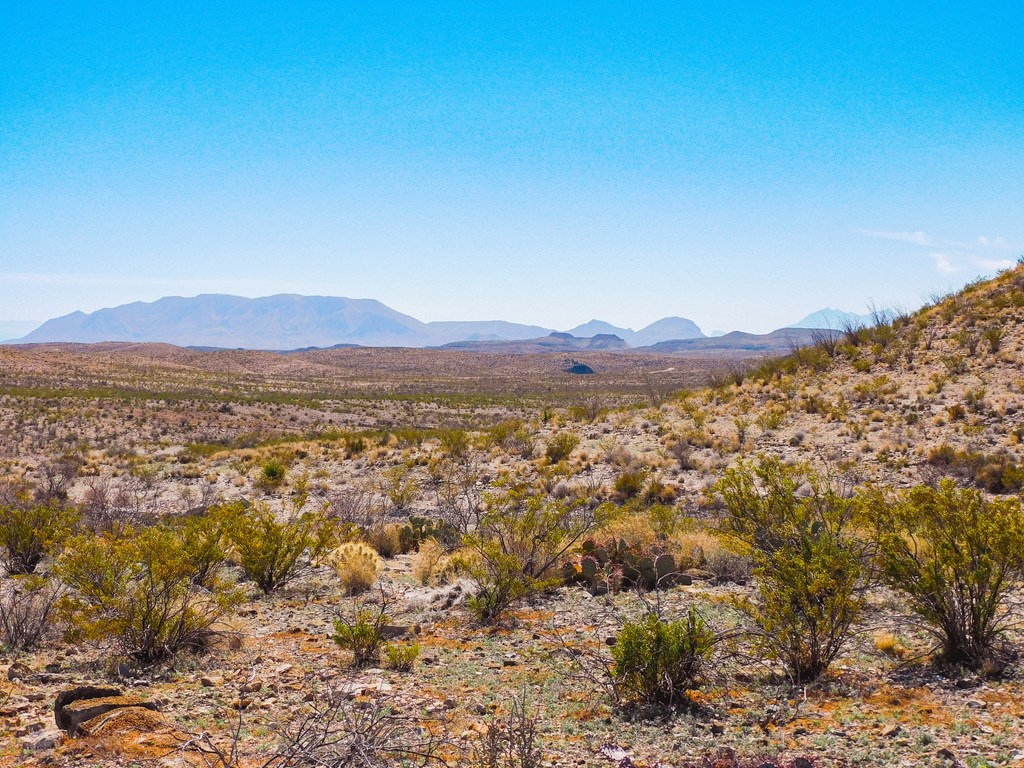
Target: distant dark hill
<point>555,342</point>
<point>739,343</point>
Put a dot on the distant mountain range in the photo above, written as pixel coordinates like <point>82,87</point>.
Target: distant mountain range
<point>833,319</point>
<point>290,321</point>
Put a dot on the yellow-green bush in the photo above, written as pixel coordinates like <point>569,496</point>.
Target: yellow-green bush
<point>137,591</point>
<point>955,555</point>
<point>29,531</point>
<point>810,566</point>
<point>275,551</point>
<point>657,661</point>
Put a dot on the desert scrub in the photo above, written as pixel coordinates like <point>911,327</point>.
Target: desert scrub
<point>30,530</point>
<point>275,552</point>
<point>401,658</point>
<point>521,540</point>
<point>362,632</point>
<point>358,565</point>
<point>657,661</point>
<point>559,447</point>
<point>430,563</point>
<point>955,555</point>
<point>272,476</point>
<point>27,610</point>
<point>811,568</point>
<point>206,546</point>
<point>138,592</point>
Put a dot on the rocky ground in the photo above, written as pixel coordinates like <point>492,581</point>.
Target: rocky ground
<point>164,431</point>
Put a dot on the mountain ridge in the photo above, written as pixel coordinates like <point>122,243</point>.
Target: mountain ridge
<point>294,321</point>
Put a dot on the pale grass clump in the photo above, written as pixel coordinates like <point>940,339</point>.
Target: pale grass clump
<point>693,548</point>
<point>434,567</point>
<point>427,562</point>
<point>891,646</point>
<point>358,565</point>
<point>636,529</point>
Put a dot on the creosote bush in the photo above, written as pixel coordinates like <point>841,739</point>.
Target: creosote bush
<point>138,591</point>
<point>560,446</point>
<point>657,661</point>
<point>362,632</point>
<point>521,540</point>
<point>812,569</point>
<point>955,555</point>
<point>274,552</point>
<point>401,658</point>
<point>31,530</point>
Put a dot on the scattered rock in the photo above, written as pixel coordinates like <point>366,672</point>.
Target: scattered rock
<point>211,681</point>
<point>40,742</point>
<point>19,671</point>
<point>75,706</point>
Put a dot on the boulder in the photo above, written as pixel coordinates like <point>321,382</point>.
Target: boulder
<point>76,706</point>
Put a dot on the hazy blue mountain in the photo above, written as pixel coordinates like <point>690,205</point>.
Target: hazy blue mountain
<point>290,321</point>
<point>835,319</point>
<point>284,321</point>
<point>554,342</point>
<point>595,327</point>
<point>739,343</point>
<point>447,331</point>
<point>666,329</point>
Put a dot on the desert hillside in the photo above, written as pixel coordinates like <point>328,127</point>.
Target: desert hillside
<point>443,557</point>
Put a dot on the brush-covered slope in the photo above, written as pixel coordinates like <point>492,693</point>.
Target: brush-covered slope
<point>936,392</point>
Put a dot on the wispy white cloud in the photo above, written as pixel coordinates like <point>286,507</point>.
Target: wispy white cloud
<point>998,243</point>
<point>953,252</point>
<point>944,263</point>
<point>983,242</point>
<point>994,265</point>
<point>917,238</point>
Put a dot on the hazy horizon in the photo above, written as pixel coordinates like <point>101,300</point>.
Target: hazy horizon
<point>537,163</point>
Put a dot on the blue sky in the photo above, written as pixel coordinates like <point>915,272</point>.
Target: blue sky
<point>538,162</point>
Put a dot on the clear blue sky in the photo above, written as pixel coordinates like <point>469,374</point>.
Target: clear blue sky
<point>543,162</point>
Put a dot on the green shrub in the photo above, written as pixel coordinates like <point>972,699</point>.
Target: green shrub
<point>401,658</point>
<point>811,568</point>
<point>363,634</point>
<point>560,446</point>
<point>399,488</point>
<point>995,473</point>
<point>630,483</point>
<point>658,661</point>
<point>274,552</point>
<point>955,556</point>
<point>137,590</point>
<point>272,475</point>
<point>520,541</point>
<point>205,545</point>
<point>29,531</point>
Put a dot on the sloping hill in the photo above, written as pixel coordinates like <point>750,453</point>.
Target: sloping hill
<point>937,392</point>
